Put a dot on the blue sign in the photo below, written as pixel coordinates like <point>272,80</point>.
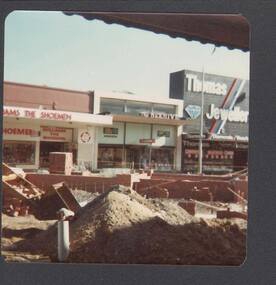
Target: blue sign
<point>193,111</point>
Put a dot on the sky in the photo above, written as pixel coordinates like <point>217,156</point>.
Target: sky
<point>56,50</point>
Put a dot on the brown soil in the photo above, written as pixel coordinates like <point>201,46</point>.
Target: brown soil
<point>121,226</point>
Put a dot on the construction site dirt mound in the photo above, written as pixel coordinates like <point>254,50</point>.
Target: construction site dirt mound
<point>121,226</point>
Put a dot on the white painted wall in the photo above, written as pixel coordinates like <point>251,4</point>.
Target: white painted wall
<point>135,132</point>
<point>119,139</point>
<point>164,141</point>
<point>87,152</point>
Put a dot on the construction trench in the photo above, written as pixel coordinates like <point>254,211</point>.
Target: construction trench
<point>139,218</point>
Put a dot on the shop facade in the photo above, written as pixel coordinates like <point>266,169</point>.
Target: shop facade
<point>102,130</point>
<point>145,134</point>
<point>30,134</point>
<point>225,120</point>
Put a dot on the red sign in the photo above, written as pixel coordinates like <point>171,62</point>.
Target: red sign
<point>20,131</point>
<point>149,141</point>
<point>37,114</point>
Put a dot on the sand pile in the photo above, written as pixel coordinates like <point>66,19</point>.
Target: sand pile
<point>121,226</point>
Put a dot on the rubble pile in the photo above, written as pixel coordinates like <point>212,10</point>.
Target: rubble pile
<point>121,226</point>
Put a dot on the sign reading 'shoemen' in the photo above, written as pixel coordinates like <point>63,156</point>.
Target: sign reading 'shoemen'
<point>193,111</point>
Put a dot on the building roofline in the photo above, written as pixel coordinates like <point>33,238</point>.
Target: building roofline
<point>212,74</point>
<point>135,97</point>
<point>44,87</point>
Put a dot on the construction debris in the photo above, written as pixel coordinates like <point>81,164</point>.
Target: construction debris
<point>121,226</point>
<point>19,194</point>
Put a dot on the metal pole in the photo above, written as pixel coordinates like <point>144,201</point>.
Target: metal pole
<point>63,240</point>
<point>201,125</point>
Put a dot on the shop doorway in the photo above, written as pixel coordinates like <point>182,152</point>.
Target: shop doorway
<point>46,148</point>
<point>138,157</point>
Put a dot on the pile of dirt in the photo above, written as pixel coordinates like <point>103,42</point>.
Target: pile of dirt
<point>121,226</point>
<point>84,197</point>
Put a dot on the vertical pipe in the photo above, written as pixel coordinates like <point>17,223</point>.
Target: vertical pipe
<point>63,240</point>
<point>201,125</point>
<point>150,149</point>
<point>124,148</point>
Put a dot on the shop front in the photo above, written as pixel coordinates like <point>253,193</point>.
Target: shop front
<point>219,156</point>
<point>55,139</point>
<point>144,135</point>
<point>136,153</point>
<point>225,120</point>
<point>29,135</point>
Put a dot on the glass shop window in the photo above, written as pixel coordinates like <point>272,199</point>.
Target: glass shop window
<point>22,152</point>
<point>110,157</point>
<point>113,106</point>
<point>163,108</point>
<point>135,107</point>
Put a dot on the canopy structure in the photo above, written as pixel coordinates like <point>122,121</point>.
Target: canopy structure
<point>229,30</point>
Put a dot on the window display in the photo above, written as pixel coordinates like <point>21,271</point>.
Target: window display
<point>162,159</point>
<point>110,157</point>
<point>15,152</point>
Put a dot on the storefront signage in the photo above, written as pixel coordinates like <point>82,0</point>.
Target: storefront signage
<point>158,115</point>
<point>37,114</point>
<point>49,133</point>
<point>210,87</point>
<point>237,138</point>
<point>149,141</point>
<point>193,111</point>
<point>85,136</point>
<point>163,133</point>
<point>54,115</point>
<point>20,132</point>
<point>110,132</point>
<point>235,115</point>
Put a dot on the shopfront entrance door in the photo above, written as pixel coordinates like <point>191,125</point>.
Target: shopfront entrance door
<point>138,157</point>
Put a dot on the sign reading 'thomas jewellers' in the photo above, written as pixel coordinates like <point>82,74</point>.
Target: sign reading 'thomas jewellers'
<point>158,115</point>
<point>235,115</point>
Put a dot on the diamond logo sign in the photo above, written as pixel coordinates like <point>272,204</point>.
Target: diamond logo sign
<point>193,111</point>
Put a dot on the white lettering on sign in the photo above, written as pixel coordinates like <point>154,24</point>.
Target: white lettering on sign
<point>238,138</point>
<point>158,115</point>
<point>210,87</point>
<point>235,115</point>
<point>20,131</point>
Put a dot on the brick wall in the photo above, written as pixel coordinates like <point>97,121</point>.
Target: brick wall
<point>88,183</point>
<point>206,190</point>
